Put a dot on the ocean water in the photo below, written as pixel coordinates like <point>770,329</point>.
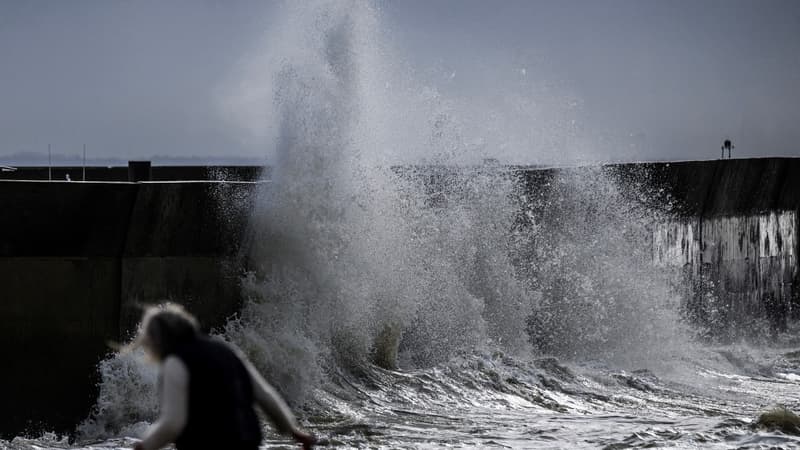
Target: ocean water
<point>496,401</point>
<point>447,305</point>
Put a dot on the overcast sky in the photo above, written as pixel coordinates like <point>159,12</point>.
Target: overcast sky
<point>637,79</point>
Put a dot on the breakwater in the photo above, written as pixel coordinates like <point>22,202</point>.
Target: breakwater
<point>732,231</point>
<point>730,227</point>
<point>78,258</point>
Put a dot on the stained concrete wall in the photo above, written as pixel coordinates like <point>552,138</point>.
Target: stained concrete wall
<point>733,232</point>
<point>730,226</point>
<point>76,260</point>
<point>739,269</point>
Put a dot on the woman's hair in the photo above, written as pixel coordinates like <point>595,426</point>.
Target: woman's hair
<point>166,327</point>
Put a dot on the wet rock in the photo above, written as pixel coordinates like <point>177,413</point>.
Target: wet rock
<point>780,419</point>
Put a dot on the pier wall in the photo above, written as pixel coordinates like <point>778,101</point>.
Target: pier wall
<point>77,260</point>
<point>733,233</point>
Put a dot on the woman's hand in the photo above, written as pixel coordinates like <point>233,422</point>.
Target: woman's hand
<point>304,438</point>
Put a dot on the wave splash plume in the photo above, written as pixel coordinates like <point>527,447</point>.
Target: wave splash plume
<point>447,303</point>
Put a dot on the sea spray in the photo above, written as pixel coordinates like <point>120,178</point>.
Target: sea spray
<point>340,107</point>
<point>352,261</point>
<point>591,256</point>
<point>127,400</point>
<point>348,250</point>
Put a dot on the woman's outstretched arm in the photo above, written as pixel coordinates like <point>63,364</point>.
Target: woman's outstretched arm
<point>276,408</point>
<point>174,406</point>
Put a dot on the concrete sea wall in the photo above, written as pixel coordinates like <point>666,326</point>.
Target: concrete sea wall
<point>77,260</point>
<point>733,233</point>
<point>741,269</point>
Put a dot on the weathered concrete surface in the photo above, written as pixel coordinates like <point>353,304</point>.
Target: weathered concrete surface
<point>76,260</point>
<point>740,268</point>
<point>720,187</point>
<point>734,233</point>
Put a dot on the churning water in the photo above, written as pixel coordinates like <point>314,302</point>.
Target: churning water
<point>448,305</point>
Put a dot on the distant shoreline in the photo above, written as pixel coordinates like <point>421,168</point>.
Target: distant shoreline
<point>36,159</point>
